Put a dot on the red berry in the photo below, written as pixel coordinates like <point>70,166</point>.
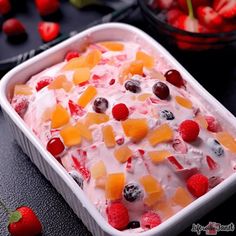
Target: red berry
<point>55,146</point>
<point>5,7</point>
<point>212,124</point>
<point>211,163</point>
<point>225,8</point>
<point>189,130</point>
<point>172,15</point>
<point>195,3</point>
<point>120,111</point>
<point>118,215</point>
<point>150,220</point>
<point>161,90</point>
<point>72,54</point>
<point>48,30</point>
<point>174,77</point>
<point>162,4</point>
<point>13,27</point>
<point>47,7</point>
<point>197,185</point>
<point>43,83</point>
<point>81,168</point>
<point>75,109</point>
<point>24,222</point>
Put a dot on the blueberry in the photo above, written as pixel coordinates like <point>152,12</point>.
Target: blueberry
<point>77,177</point>
<point>100,105</point>
<point>215,147</point>
<point>133,86</point>
<point>133,225</point>
<point>168,115</point>
<point>132,192</point>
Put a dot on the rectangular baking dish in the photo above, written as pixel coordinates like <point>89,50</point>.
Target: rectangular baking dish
<point>58,176</point>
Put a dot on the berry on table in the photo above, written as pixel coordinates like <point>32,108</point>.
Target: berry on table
<point>197,185</point>
<point>118,215</point>
<point>48,30</point>
<point>13,27</point>
<point>189,130</point>
<point>133,86</point>
<point>150,220</point>
<point>120,112</point>
<point>132,192</point>
<point>174,77</point>
<point>167,115</point>
<point>5,7</point>
<point>161,90</point>
<point>100,105</point>
<point>55,146</point>
<point>47,7</point>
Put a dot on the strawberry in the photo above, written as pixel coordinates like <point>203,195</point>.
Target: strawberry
<point>150,220</point>
<point>13,27</point>
<point>120,112</point>
<point>197,185</point>
<point>24,222</point>
<point>211,163</point>
<point>20,105</point>
<point>189,130</point>
<point>48,30</point>
<point>75,109</point>
<point>196,3</point>
<point>212,124</point>
<point>209,17</point>
<point>162,4</point>
<point>47,7</point>
<point>71,54</point>
<point>173,161</point>
<point>43,83</point>
<point>118,215</point>
<point>225,8</point>
<point>5,7</point>
<point>172,15</point>
<point>81,168</point>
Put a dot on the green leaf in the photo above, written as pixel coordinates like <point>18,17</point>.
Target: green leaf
<point>14,217</point>
<point>83,3</point>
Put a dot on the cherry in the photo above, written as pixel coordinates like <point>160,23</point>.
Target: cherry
<point>161,90</point>
<point>174,77</point>
<point>133,86</point>
<point>55,146</point>
<point>100,105</point>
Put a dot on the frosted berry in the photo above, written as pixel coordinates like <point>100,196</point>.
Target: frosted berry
<point>133,86</point>
<point>120,112</point>
<point>150,220</point>
<point>55,146</point>
<point>100,105</point>
<point>133,225</point>
<point>132,192</point>
<point>161,90</point>
<point>167,115</point>
<point>189,130</point>
<point>174,77</point>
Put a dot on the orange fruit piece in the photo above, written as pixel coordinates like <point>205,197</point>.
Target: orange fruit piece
<point>71,136</point>
<point>184,102</point>
<point>136,68</point>
<point>59,117</point>
<point>148,61</point>
<point>109,136</point>
<point>161,134</point>
<point>136,129</point>
<point>201,121</point>
<point>98,170</point>
<point>143,97</point>
<point>158,156</point>
<point>84,131</point>
<point>113,46</point>
<point>22,89</point>
<point>182,197</point>
<point>227,140</point>
<point>93,58</point>
<point>75,63</point>
<point>123,153</point>
<point>101,182</point>
<point>81,75</point>
<point>95,118</point>
<point>114,186</point>
<point>150,184</point>
<point>87,96</point>
<point>153,198</point>
<point>165,208</point>
<point>61,82</point>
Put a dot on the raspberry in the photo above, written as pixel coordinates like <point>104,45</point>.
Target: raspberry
<point>189,130</point>
<point>212,124</point>
<point>13,27</point>
<point>47,7</point>
<point>150,220</point>
<point>5,7</point>
<point>120,111</point>
<point>71,54</point>
<point>118,216</point>
<point>197,185</point>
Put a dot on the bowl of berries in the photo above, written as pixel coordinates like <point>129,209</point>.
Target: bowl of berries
<point>192,25</point>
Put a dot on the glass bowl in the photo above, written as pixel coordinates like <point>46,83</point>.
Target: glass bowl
<point>181,39</point>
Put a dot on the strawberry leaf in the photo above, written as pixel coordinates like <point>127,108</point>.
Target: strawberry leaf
<point>14,217</point>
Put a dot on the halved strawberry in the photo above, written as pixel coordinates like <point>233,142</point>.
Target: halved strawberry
<point>47,7</point>
<point>48,30</point>
<point>225,8</point>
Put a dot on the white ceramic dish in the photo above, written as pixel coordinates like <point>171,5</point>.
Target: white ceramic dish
<point>58,176</point>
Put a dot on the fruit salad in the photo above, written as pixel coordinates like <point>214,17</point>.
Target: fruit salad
<point>129,130</point>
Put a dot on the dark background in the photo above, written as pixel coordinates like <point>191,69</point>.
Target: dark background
<point>21,183</point>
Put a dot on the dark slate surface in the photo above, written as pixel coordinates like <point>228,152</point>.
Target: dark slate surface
<point>22,184</point>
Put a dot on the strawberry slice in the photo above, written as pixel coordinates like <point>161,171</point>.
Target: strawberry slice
<point>173,161</point>
<point>48,30</point>
<point>211,163</point>
<point>75,109</point>
<point>43,83</point>
<point>81,168</point>
<point>225,8</point>
<point>20,105</point>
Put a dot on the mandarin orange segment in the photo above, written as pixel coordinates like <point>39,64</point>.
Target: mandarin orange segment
<point>58,82</point>
<point>75,63</point>
<point>59,117</point>
<point>84,131</point>
<point>71,136</point>
<point>87,96</point>
<point>165,208</point>
<point>98,170</point>
<point>113,46</point>
<point>93,58</point>
<point>161,134</point>
<point>109,136</point>
<point>158,156</point>
<point>150,184</point>
<point>135,68</point>
<point>148,61</point>
<point>153,198</point>
<point>143,97</point>
<point>182,197</point>
<point>114,186</point>
<point>227,140</point>
<point>136,129</point>
<point>95,118</point>
<point>123,153</point>
<point>81,75</point>
<point>22,89</point>
<point>184,102</point>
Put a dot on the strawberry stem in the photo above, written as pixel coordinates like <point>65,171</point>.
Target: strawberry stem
<point>190,9</point>
<point>4,207</point>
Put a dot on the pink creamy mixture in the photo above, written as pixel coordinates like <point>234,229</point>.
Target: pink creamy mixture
<point>205,155</point>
